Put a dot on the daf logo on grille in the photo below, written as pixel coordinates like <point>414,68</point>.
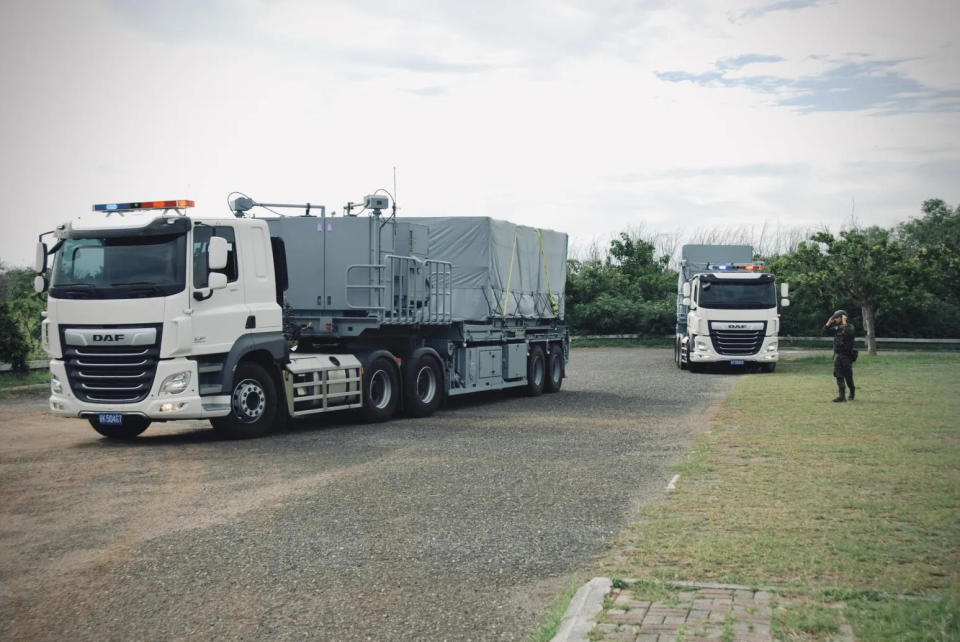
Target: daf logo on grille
<point>732,326</point>
<point>107,337</point>
<point>110,336</point>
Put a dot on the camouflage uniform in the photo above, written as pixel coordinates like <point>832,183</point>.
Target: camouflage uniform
<point>843,336</point>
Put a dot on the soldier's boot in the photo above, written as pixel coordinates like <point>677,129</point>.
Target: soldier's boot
<point>853,391</point>
<point>842,390</point>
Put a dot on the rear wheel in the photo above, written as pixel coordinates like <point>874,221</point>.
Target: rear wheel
<point>381,391</point>
<point>554,369</point>
<point>132,426</point>
<point>253,404</point>
<point>536,371</point>
<point>423,386</point>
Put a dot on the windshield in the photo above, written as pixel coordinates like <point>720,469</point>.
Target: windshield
<point>119,268</point>
<point>727,294</point>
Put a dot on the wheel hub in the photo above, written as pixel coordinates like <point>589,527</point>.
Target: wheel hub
<point>249,401</point>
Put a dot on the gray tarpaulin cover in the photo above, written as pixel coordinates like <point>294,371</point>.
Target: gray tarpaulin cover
<point>500,269</point>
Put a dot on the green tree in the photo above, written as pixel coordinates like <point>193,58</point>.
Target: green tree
<point>866,267</point>
<point>629,290</point>
<point>20,317</point>
<point>934,241</point>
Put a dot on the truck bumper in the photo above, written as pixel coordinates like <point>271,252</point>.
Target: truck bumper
<point>703,352</point>
<point>158,407</point>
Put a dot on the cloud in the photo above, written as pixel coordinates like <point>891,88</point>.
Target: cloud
<point>748,170</point>
<point>783,5</point>
<point>850,84</point>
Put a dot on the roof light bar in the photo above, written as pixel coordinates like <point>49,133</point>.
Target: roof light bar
<point>747,267</point>
<point>142,205</point>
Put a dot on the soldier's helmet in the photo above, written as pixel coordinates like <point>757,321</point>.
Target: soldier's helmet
<point>840,313</point>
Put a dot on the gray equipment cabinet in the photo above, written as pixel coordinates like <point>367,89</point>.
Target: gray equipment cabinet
<point>484,294</point>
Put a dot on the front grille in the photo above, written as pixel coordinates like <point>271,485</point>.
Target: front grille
<point>737,342</point>
<point>112,374</point>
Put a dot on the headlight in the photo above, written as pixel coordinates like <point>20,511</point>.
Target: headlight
<point>701,344</point>
<point>175,383</point>
<point>772,347</point>
<point>55,386</point>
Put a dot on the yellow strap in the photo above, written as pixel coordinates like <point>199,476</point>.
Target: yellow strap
<point>546,269</point>
<point>513,256</point>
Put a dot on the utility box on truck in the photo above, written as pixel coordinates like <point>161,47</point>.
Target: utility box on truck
<point>726,309</point>
<point>154,316</point>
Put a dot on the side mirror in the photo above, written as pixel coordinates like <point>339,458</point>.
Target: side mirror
<point>217,281</point>
<point>785,290</point>
<point>784,303</point>
<point>40,260</point>
<point>686,291</point>
<point>40,284</point>
<point>217,253</point>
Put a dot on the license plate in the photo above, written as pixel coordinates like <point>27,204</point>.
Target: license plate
<point>111,419</point>
<point>736,362</point>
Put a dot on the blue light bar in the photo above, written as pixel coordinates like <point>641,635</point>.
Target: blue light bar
<point>142,205</point>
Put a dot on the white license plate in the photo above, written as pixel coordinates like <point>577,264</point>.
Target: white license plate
<point>736,362</point>
<point>111,419</point>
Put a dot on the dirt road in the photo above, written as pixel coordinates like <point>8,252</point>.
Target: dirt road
<point>463,525</point>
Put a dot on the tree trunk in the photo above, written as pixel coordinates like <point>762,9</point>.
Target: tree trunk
<point>869,311</point>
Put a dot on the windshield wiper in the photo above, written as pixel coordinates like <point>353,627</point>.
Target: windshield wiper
<point>78,291</point>
<point>145,286</point>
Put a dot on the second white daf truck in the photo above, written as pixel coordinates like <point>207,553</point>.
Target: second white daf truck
<point>726,309</point>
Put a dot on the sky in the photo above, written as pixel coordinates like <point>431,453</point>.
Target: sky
<point>588,117</point>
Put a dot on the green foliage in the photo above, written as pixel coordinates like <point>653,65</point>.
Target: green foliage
<point>13,346</point>
<point>630,291</point>
<point>934,240</point>
<point>20,318</point>
<point>911,274</point>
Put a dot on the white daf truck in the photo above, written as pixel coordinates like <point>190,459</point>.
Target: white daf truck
<point>726,309</point>
<point>155,316</point>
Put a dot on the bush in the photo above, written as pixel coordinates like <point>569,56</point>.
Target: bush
<point>14,347</point>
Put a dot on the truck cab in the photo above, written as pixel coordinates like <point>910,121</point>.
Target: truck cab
<point>150,311</point>
<point>726,309</point>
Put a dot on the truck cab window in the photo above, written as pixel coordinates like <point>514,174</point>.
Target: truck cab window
<point>201,239</point>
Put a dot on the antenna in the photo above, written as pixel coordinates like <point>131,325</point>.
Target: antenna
<point>394,190</point>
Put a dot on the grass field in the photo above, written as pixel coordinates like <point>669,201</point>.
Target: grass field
<point>856,502</point>
<point>17,379</point>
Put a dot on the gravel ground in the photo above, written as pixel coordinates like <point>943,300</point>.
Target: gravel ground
<point>464,525</point>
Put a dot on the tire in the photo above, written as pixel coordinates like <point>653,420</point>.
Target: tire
<point>683,360</point>
<point>768,367</point>
<point>554,372</point>
<point>536,371</point>
<point>422,386</point>
<point>381,391</point>
<point>132,426</point>
<point>253,404</point>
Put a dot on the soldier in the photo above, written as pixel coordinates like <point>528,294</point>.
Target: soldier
<point>842,352</point>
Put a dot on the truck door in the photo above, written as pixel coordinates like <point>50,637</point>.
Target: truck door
<point>221,318</point>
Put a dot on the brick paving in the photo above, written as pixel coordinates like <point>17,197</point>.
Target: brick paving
<point>698,614</point>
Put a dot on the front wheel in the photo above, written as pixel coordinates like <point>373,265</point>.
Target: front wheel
<point>132,426</point>
<point>253,404</point>
<point>768,367</point>
<point>381,391</point>
<point>554,369</point>
<point>423,386</point>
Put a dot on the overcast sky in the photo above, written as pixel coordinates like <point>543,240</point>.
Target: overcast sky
<point>586,117</point>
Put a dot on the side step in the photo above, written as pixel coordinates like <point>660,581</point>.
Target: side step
<point>317,383</point>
